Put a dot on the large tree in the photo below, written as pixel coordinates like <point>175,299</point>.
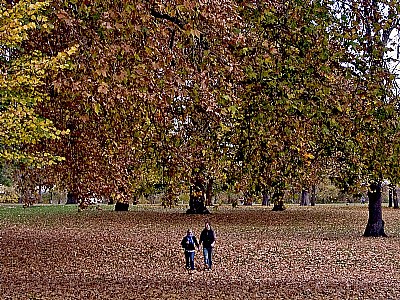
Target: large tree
<point>143,103</point>
<point>289,93</point>
<point>370,153</point>
<point>316,93</point>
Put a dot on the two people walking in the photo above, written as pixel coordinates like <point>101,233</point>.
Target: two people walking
<point>190,243</point>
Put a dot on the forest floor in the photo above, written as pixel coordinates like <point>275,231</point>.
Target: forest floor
<point>301,253</point>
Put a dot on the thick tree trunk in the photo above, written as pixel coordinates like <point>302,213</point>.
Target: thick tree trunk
<point>72,198</point>
<point>305,198</point>
<point>121,206</point>
<point>396,197</point>
<point>375,226</point>
<point>197,199</point>
<point>279,205</point>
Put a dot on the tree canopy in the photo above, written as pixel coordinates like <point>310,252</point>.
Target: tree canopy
<point>257,95</point>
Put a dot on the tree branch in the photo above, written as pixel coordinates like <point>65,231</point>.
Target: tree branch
<point>174,20</point>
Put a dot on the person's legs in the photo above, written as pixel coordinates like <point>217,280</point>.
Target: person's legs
<point>191,260</point>
<point>205,254</point>
<point>209,250</point>
<point>187,259</point>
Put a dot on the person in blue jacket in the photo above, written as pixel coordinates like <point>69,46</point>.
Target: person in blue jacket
<point>189,243</point>
<point>207,238</point>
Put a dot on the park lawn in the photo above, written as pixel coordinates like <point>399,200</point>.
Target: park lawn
<point>56,252</point>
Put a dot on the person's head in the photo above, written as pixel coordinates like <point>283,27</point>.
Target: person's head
<point>207,225</point>
<point>189,232</point>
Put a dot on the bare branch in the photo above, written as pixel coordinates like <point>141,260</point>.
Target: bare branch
<point>174,20</point>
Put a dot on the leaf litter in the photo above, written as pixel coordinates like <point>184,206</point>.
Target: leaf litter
<point>300,253</point>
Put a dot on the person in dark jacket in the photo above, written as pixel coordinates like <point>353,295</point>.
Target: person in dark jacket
<point>207,238</point>
<point>189,243</point>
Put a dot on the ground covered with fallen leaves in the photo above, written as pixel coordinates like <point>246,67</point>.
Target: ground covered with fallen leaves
<point>301,253</point>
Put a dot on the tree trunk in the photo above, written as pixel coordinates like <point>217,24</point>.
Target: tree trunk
<point>40,193</point>
<point>294,198</point>
<point>278,201</point>
<point>121,206</point>
<point>391,192</point>
<point>396,197</point>
<point>72,198</point>
<point>209,192</point>
<point>375,226</point>
<point>265,199</point>
<point>313,195</point>
<point>278,206</point>
<point>305,198</point>
<point>169,198</point>
<point>197,199</point>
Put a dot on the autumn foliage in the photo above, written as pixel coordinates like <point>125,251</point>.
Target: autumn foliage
<point>23,76</point>
<point>253,96</point>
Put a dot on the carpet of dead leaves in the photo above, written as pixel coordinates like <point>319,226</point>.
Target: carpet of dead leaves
<point>301,253</point>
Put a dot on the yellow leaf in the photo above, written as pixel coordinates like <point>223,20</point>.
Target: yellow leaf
<point>96,107</point>
<point>308,156</point>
